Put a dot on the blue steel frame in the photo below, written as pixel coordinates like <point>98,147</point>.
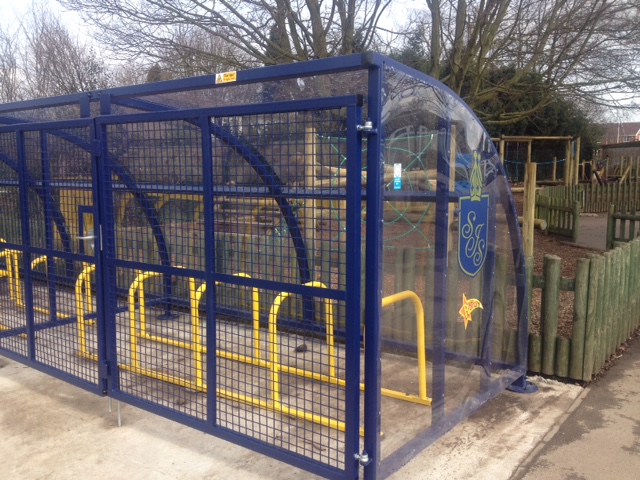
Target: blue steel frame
<point>133,97</point>
<point>43,190</point>
<point>351,297</point>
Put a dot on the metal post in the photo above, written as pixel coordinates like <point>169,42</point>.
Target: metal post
<point>373,280</point>
<point>440,270</point>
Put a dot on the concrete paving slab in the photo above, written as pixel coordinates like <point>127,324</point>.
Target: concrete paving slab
<point>601,438</point>
<point>593,230</point>
<point>52,430</point>
<point>493,442</point>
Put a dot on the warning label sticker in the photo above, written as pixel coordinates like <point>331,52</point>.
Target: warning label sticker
<point>225,77</point>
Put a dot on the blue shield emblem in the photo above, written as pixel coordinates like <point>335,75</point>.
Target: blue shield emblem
<point>472,233</point>
<point>472,228</point>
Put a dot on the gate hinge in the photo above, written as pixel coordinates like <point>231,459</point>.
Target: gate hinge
<point>367,128</point>
<point>363,458</point>
<point>96,146</point>
<point>104,370</point>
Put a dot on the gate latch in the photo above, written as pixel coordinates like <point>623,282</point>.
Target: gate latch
<point>367,127</point>
<point>363,458</point>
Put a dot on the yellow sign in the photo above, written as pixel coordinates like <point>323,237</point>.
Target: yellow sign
<point>225,77</point>
<point>468,306</point>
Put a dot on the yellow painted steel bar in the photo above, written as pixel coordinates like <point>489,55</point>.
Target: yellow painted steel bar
<point>195,295</point>
<point>422,360</point>
<point>15,292</point>
<point>140,278</point>
<point>83,300</point>
<point>12,272</point>
<point>196,345</point>
<point>14,284</point>
<point>255,306</point>
<point>7,255</point>
<point>4,254</point>
<point>137,287</point>
<point>273,339</point>
<point>198,348</point>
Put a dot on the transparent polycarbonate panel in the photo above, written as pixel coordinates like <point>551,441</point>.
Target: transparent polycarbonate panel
<point>450,307</point>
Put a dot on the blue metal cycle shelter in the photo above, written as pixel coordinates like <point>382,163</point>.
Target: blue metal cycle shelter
<point>317,261</point>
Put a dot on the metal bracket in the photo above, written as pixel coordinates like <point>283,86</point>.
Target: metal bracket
<point>96,147</point>
<point>367,127</point>
<point>362,458</point>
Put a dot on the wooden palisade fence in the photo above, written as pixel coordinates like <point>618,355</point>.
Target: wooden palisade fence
<point>562,216</point>
<point>606,312</point>
<point>621,226</point>
<point>597,198</point>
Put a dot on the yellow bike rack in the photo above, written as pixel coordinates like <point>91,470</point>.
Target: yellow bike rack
<point>12,272</point>
<point>422,397</point>
<point>11,260</point>
<point>11,257</point>
<point>83,300</point>
<point>138,331</point>
<point>3,254</point>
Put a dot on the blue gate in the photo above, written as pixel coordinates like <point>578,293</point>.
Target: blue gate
<point>297,259</point>
<point>217,254</point>
<point>43,256</point>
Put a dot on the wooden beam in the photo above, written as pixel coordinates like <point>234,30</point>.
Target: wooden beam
<point>526,138</point>
<point>529,207</point>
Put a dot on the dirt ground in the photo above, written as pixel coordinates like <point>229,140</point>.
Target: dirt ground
<point>569,253</point>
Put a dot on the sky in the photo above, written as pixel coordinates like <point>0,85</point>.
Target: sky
<point>12,11</point>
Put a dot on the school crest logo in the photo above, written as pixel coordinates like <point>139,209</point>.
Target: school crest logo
<point>474,216</point>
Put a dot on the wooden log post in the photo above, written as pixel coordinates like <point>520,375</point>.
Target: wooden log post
<point>453,316</point>
<point>309,214</point>
<point>611,226</point>
<point>529,272</point>
<point>554,169</point>
<point>635,269</point>
<point>472,336</point>
<point>499,306</point>
<point>562,357</point>
<point>629,294</point>
<point>575,228</point>
<point>550,303</point>
<point>529,207</point>
<point>576,159</point>
<point>535,353</point>
<point>591,319</point>
<point>567,163</point>
<point>606,309</point>
<point>635,283</point>
<point>539,223</point>
<point>621,299</point>
<point>452,183</point>
<point>617,300</point>
<point>580,307</point>
<point>612,303</point>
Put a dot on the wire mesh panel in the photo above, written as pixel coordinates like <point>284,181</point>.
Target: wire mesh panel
<point>14,320</point>
<point>226,278</point>
<point>155,214</point>
<point>227,275</point>
<point>61,283</point>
